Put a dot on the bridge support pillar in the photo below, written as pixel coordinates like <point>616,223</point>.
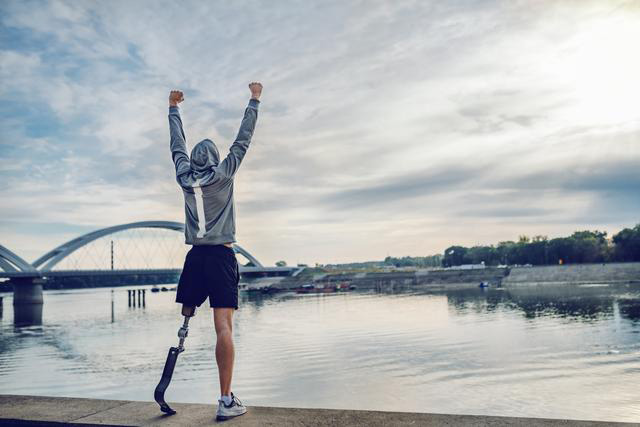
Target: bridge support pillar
<point>27,301</point>
<point>27,290</point>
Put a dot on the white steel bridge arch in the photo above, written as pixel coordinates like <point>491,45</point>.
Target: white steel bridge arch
<point>47,261</point>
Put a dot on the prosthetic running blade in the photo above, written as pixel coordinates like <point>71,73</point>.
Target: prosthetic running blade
<point>169,366</point>
<point>167,373</point>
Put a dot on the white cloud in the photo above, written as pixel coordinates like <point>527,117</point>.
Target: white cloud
<point>357,95</point>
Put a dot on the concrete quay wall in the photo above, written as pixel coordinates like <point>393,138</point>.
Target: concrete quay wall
<point>628,272</point>
<point>59,411</point>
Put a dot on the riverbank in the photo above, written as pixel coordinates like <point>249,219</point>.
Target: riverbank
<point>54,411</point>
<point>610,273</point>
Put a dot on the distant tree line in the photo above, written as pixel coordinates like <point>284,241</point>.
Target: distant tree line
<point>580,247</point>
<point>418,261</point>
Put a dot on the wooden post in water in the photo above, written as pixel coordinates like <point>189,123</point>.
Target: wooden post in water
<point>133,297</point>
<point>129,296</point>
<point>144,297</point>
<point>139,297</point>
<point>112,313</point>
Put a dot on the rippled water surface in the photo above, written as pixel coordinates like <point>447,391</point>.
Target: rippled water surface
<point>568,352</point>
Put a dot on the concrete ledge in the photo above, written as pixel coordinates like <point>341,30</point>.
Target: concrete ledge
<point>57,411</point>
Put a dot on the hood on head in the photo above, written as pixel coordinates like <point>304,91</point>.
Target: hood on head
<point>204,155</point>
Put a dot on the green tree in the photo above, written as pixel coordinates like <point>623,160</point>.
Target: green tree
<point>486,254</point>
<point>455,255</point>
<point>589,246</point>
<point>560,248</point>
<point>535,252</point>
<point>627,244</point>
<point>504,251</point>
<point>407,261</point>
<point>523,239</point>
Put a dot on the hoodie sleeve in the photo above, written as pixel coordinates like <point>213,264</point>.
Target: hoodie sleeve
<point>178,144</point>
<point>231,163</point>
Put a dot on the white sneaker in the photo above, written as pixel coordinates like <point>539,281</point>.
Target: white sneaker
<point>231,410</point>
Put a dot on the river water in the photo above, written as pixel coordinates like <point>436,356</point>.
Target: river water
<point>558,352</point>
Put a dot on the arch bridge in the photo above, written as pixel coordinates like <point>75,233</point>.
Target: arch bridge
<point>28,278</point>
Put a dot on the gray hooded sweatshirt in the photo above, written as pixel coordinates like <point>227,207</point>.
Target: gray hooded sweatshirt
<point>207,183</point>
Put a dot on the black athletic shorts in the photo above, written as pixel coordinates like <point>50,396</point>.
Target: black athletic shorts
<point>209,271</point>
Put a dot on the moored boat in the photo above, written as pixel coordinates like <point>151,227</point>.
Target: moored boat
<point>311,288</point>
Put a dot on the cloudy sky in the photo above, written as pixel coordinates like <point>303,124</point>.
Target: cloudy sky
<point>386,128</point>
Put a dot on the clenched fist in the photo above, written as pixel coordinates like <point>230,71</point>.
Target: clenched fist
<point>175,97</point>
<point>256,90</point>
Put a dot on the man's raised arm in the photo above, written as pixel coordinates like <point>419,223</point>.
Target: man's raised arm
<point>178,141</point>
<point>238,149</point>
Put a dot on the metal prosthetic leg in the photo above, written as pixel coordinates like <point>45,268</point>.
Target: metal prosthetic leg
<point>172,358</point>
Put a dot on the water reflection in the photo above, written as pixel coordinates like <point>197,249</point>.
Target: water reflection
<point>482,351</point>
<point>629,308</point>
<point>27,315</point>
<point>579,303</point>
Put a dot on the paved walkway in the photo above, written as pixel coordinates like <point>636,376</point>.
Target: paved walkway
<point>56,411</point>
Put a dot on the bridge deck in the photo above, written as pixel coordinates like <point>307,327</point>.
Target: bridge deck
<point>139,272</point>
<point>32,410</point>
